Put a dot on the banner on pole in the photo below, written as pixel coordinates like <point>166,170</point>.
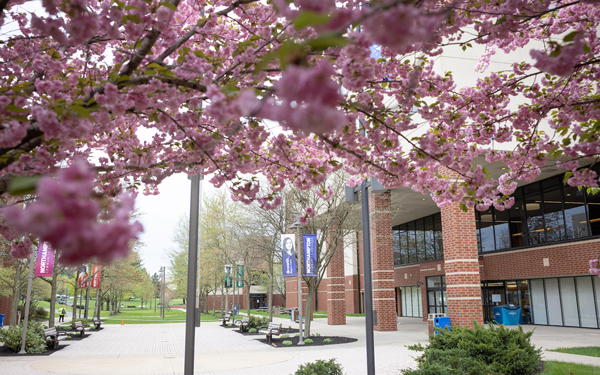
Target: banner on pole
<point>82,283</point>
<point>228,283</point>
<point>288,255</point>
<point>45,260</point>
<point>96,273</point>
<point>240,276</point>
<point>310,255</point>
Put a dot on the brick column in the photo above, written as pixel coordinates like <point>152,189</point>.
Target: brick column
<point>382,259</point>
<point>461,260</point>
<point>336,288</point>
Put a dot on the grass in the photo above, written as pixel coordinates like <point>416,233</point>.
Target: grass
<point>592,351</point>
<point>564,368</point>
<point>148,316</point>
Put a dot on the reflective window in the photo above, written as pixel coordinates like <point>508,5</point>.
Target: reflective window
<point>575,213</point>
<point>419,240</point>
<point>486,230</point>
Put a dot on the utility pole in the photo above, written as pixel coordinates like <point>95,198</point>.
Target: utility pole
<point>162,293</point>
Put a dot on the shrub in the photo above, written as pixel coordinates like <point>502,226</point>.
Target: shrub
<point>35,312</point>
<point>287,343</point>
<point>35,342</point>
<point>256,322</point>
<point>327,341</point>
<point>320,367</point>
<point>252,330</point>
<point>82,320</point>
<point>317,334</point>
<point>308,341</point>
<point>297,335</point>
<point>478,351</point>
<point>285,336</point>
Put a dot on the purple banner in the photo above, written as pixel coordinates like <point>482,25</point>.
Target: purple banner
<point>310,255</point>
<point>45,260</point>
<point>288,255</point>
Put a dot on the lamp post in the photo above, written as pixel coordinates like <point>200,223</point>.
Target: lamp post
<point>297,225</point>
<point>190,310</point>
<point>162,293</point>
<point>352,197</point>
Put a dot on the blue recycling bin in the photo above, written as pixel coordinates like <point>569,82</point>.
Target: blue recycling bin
<point>441,322</point>
<point>509,315</point>
<point>1,320</point>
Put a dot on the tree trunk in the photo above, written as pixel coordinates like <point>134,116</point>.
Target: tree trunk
<point>248,293</point>
<point>53,288</point>
<point>308,312</point>
<point>16,293</point>
<point>271,290</point>
<point>119,303</point>
<point>75,299</point>
<point>89,290</point>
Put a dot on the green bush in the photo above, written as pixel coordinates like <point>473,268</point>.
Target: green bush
<point>285,336</point>
<point>82,320</point>
<point>252,330</point>
<point>327,341</point>
<point>297,335</point>
<point>256,322</point>
<point>35,312</point>
<point>287,343</point>
<point>479,351</point>
<point>35,342</point>
<point>308,341</point>
<point>320,367</point>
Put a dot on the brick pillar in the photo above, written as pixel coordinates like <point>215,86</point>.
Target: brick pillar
<point>336,288</point>
<point>382,259</point>
<point>461,260</point>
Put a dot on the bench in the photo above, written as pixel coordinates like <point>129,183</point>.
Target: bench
<point>97,322</point>
<point>79,327</point>
<point>226,319</point>
<point>270,330</point>
<point>53,337</point>
<point>244,323</point>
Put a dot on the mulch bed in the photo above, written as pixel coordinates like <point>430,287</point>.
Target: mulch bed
<point>317,341</point>
<point>5,352</point>
<point>291,331</point>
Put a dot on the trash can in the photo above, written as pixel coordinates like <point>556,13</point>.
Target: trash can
<point>1,320</point>
<point>441,322</point>
<point>293,314</point>
<point>431,321</point>
<point>509,315</point>
<point>276,311</point>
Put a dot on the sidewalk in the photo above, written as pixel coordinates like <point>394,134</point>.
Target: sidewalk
<point>159,348</point>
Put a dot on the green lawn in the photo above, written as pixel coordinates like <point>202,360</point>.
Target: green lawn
<point>563,368</point>
<point>148,316</point>
<point>592,351</point>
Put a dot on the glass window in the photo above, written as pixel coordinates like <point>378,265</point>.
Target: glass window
<point>501,229</point>
<point>411,247</point>
<point>512,293</point>
<point>429,238</point>
<point>403,244</point>
<point>575,215</point>
<point>538,300</point>
<point>486,230</point>
<point>535,217</point>
<point>593,201</point>
<point>585,296</point>
<point>553,210</point>
<point>396,246</point>
<point>553,297</point>
<point>420,238</point>
<point>517,218</point>
<point>436,282</point>
<point>569,301</point>
<point>439,241</point>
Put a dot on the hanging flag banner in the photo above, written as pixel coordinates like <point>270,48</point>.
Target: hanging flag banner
<point>240,276</point>
<point>83,278</point>
<point>228,283</point>
<point>310,255</point>
<point>45,260</point>
<point>96,273</point>
<point>288,255</point>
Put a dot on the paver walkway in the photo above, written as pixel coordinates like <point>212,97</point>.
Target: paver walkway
<point>158,349</point>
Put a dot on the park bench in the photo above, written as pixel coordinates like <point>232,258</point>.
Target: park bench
<point>270,330</point>
<point>97,322</point>
<point>79,327</point>
<point>244,323</point>
<point>226,319</point>
<point>53,337</point>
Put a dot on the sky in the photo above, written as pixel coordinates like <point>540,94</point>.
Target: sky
<point>160,214</point>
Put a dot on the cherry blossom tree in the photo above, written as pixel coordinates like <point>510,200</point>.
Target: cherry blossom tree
<point>103,99</point>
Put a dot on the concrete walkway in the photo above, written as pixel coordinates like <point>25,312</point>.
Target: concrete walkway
<point>158,349</point>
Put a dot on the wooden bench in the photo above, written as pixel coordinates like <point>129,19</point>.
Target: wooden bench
<point>79,327</point>
<point>97,322</point>
<point>244,323</point>
<point>270,330</point>
<point>54,337</point>
<point>226,319</point>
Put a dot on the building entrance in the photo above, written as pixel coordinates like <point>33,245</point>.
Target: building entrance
<point>499,293</point>
<point>411,301</point>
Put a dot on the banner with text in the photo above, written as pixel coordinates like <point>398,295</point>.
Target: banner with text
<point>45,260</point>
<point>240,276</point>
<point>82,283</point>
<point>96,274</point>
<point>310,255</point>
<point>288,255</point>
<point>228,283</point>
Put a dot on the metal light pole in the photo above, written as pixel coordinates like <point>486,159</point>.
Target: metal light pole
<point>162,293</point>
<point>352,197</point>
<point>190,311</point>
<point>27,302</point>
<point>300,254</point>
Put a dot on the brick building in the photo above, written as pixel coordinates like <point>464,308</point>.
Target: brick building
<point>431,260</point>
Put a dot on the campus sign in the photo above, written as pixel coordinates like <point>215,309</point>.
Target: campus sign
<point>310,255</point>
<point>240,276</point>
<point>288,255</point>
<point>96,274</point>
<point>45,260</point>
